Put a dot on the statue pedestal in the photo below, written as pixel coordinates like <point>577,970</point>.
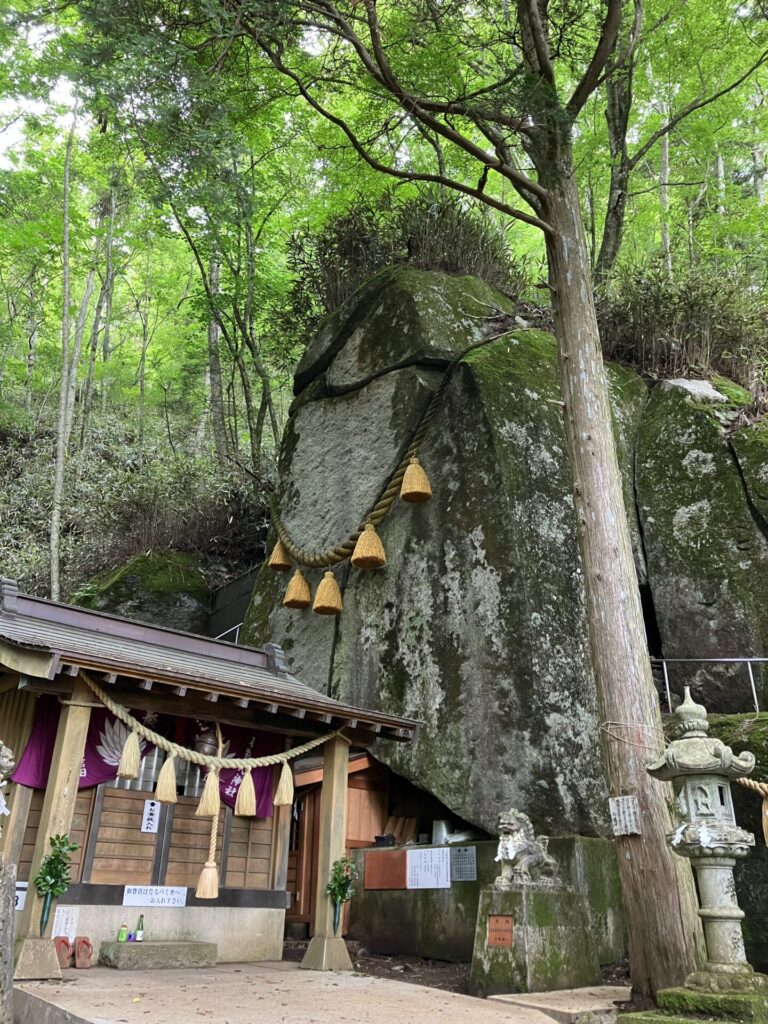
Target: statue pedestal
<point>546,945</point>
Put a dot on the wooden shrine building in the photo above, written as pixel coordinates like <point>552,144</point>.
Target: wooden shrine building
<point>136,855</point>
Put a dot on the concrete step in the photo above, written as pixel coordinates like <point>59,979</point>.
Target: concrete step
<point>566,1005</point>
<point>147,956</point>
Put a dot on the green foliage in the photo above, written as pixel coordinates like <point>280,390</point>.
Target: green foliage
<point>54,875</point>
<point>699,322</point>
<point>431,230</point>
<point>341,885</point>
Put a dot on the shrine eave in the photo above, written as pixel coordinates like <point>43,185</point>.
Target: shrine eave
<point>44,644</point>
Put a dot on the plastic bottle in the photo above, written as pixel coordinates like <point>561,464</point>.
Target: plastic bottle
<point>122,935</point>
<point>139,935</point>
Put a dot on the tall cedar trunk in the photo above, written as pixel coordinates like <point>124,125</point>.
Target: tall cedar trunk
<point>32,331</point>
<point>61,435</point>
<point>214,372</point>
<point>657,887</point>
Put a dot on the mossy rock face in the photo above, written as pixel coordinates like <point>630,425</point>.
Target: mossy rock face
<point>167,589</point>
<point>707,558</point>
<point>750,446</point>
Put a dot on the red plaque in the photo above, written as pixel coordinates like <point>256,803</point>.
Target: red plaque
<point>500,931</point>
<point>385,869</point>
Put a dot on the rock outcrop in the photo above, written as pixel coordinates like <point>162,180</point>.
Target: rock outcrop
<point>477,624</point>
<point>165,588</point>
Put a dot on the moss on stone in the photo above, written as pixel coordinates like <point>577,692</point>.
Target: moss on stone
<point>165,574</point>
<point>737,395</point>
<point>169,588</point>
<point>686,1002</point>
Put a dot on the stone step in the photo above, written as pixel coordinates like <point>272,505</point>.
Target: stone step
<point>147,956</point>
<point>566,1005</point>
<point>655,1017</point>
<point>732,1006</point>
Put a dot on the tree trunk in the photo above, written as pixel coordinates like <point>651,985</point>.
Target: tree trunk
<point>666,251</point>
<point>214,372</point>
<point>61,438</point>
<point>657,887</point>
<point>617,109</point>
<point>618,90</point>
<point>32,331</point>
<point>758,173</point>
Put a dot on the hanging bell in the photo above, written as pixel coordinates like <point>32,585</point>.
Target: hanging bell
<point>415,487</point>
<point>297,595</point>
<point>328,596</point>
<point>279,560</point>
<point>369,551</point>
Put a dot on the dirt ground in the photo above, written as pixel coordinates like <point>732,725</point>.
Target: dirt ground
<point>448,976</point>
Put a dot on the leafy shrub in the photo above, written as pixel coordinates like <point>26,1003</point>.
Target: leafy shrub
<point>698,322</point>
<point>431,231</point>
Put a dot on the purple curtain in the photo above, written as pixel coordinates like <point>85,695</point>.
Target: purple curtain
<point>104,745</point>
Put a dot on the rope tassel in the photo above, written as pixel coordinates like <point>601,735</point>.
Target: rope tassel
<point>245,804</point>
<point>210,801</point>
<point>284,791</point>
<point>328,597</point>
<point>279,560</point>
<point>208,882</point>
<point>369,551</point>
<point>297,595</point>
<point>415,487</point>
<point>165,791</point>
<point>130,759</point>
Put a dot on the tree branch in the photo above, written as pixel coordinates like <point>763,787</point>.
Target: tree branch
<point>519,179</point>
<point>591,77</point>
<point>635,159</point>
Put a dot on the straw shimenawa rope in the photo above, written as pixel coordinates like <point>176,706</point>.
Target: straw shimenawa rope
<point>192,755</point>
<point>762,789</point>
<point>332,556</point>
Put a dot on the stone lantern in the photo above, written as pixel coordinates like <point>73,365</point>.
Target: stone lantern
<point>701,768</point>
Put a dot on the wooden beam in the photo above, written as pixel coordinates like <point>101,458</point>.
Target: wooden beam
<point>146,684</point>
<point>212,697</point>
<point>110,678</point>
<point>60,795</point>
<point>180,691</point>
<point>327,951</point>
<point>298,712</point>
<point>241,702</point>
<point>271,709</point>
<point>71,670</point>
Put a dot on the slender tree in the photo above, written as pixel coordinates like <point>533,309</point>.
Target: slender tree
<point>62,437</point>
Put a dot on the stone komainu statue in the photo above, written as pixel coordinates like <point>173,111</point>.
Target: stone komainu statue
<point>523,856</point>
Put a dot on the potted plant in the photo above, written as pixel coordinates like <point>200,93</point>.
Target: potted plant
<point>53,878</point>
<point>341,886</point>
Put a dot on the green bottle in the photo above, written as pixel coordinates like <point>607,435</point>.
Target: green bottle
<point>122,935</point>
<point>139,934</point>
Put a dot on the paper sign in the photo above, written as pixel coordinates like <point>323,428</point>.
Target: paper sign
<point>154,896</point>
<point>429,869</point>
<point>625,816</point>
<point>21,895</point>
<point>150,819</point>
<point>463,864</point>
<point>65,922</point>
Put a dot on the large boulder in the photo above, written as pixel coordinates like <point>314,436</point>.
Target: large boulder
<point>477,624</point>
<point>707,557</point>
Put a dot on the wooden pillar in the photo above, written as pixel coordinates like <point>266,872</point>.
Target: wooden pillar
<point>326,951</point>
<point>16,823</point>
<point>33,955</point>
